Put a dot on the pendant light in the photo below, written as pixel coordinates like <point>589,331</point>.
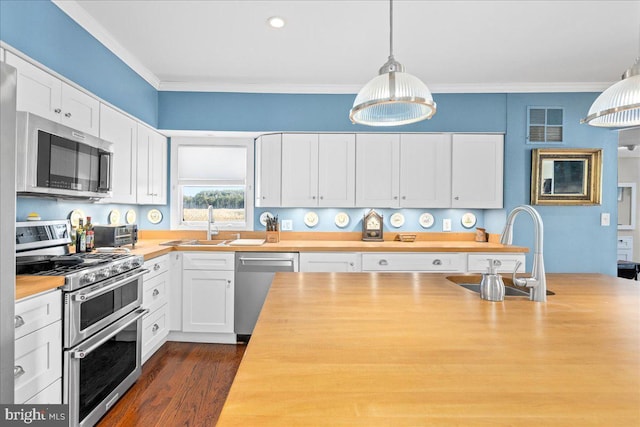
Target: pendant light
<point>393,97</point>
<point>619,105</point>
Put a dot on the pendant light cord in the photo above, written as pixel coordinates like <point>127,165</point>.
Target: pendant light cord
<point>390,28</point>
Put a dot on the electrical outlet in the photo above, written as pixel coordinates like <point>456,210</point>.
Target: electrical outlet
<point>287,225</point>
<point>446,224</point>
<point>605,219</point>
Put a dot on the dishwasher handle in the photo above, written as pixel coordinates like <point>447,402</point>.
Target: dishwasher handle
<point>245,260</point>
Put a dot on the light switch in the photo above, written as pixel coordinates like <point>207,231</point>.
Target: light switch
<point>446,224</point>
<point>287,224</point>
<point>605,219</point>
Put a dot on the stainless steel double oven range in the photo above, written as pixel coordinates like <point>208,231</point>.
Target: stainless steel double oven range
<point>102,324</point>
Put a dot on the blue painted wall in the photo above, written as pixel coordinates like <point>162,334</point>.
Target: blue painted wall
<point>574,240</point>
<point>45,33</point>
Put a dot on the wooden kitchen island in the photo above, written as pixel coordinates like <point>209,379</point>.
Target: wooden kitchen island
<point>367,349</point>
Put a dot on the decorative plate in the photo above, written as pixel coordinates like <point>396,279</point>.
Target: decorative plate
<point>154,216</point>
<point>311,219</point>
<point>114,217</point>
<point>468,220</point>
<point>75,217</point>
<point>426,220</point>
<point>130,216</point>
<point>342,219</point>
<point>264,216</point>
<point>397,219</point>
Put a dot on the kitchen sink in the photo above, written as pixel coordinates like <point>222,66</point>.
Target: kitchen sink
<point>196,242</point>
<point>508,290</point>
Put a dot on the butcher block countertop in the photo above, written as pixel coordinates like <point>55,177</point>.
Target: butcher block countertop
<point>400,349</point>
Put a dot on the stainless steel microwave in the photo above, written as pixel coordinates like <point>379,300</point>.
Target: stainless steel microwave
<point>57,161</point>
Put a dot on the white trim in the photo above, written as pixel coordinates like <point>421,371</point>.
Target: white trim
<point>86,21</point>
<point>353,89</point>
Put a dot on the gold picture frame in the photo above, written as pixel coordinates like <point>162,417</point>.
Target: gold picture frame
<point>566,176</point>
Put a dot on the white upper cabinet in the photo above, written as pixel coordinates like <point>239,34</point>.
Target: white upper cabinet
<point>318,170</point>
<point>268,169</point>
<point>122,131</point>
<point>425,170</point>
<point>337,170</point>
<point>477,171</point>
<point>377,170</point>
<point>47,96</point>
<point>152,167</point>
<point>299,170</point>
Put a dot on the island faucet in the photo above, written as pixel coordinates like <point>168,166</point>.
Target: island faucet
<point>211,231</point>
<point>538,281</point>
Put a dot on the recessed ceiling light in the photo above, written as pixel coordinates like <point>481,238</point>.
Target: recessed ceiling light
<point>275,22</point>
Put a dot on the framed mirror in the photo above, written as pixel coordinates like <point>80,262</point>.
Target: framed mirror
<point>626,205</point>
<point>562,176</point>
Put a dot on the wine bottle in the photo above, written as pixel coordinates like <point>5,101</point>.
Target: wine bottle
<point>88,229</point>
<point>81,238</point>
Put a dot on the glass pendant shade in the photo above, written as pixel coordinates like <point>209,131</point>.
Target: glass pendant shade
<point>619,105</point>
<point>392,99</point>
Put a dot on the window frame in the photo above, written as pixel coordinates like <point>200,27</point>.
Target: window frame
<point>176,186</point>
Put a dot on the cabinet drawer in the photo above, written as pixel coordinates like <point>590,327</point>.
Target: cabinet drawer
<point>155,291</point>
<point>446,262</point>
<point>154,331</point>
<point>208,261</point>
<point>505,263</point>
<point>156,266</point>
<point>344,262</point>
<point>51,395</point>
<point>38,361</point>
<point>625,242</point>
<point>33,313</point>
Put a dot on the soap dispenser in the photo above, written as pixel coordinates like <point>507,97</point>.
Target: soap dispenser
<point>492,286</point>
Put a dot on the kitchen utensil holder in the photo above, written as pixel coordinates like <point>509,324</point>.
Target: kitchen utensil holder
<point>273,236</point>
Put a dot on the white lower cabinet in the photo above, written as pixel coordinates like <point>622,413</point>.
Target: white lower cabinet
<point>336,262</point>
<point>504,263</point>
<point>208,292</point>
<point>38,349</point>
<point>155,297</point>
<point>427,262</point>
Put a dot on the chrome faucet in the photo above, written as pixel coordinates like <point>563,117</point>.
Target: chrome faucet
<point>211,220</point>
<point>538,281</point>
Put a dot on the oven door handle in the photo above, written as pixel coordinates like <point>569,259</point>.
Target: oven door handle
<point>100,291</point>
<point>81,353</point>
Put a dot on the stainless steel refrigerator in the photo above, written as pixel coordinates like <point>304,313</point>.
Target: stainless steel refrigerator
<point>8,78</point>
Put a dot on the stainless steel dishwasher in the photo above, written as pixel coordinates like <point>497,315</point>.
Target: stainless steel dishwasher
<point>254,273</point>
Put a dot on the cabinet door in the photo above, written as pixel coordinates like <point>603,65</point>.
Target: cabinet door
<point>477,171</point>
<point>152,167</point>
<point>425,170</point>
<point>122,131</point>
<point>268,170</point>
<point>377,170</point>
<point>336,170</point>
<point>38,91</point>
<point>299,170</point>
<point>79,110</point>
<point>175,292</point>
<point>207,301</point>
<point>329,262</point>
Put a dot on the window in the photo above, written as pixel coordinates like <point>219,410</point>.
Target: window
<point>214,172</point>
<point>544,125</point>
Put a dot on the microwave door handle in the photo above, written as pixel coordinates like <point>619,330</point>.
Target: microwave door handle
<point>105,162</point>
<point>80,353</point>
<point>105,289</point>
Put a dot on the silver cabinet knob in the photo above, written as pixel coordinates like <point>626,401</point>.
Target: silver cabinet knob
<point>156,267</point>
<point>57,111</point>
<point>18,371</point>
<point>18,321</point>
<point>383,262</point>
<point>155,328</point>
<point>404,197</point>
<point>156,292</point>
<point>456,198</point>
<point>67,115</point>
<point>437,262</point>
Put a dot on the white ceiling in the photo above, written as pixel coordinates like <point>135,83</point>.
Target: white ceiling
<point>337,46</point>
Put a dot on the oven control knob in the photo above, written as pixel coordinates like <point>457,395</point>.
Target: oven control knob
<point>103,273</point>
<point>136,262</point>
<point>125,266</point>
<point>89,278</point>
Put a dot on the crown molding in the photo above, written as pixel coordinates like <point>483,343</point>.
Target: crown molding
<point>86,21</point>
<point>353,89</point>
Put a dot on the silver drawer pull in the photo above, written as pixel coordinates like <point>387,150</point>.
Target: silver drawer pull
<point>155,328</point>
<point>156,292</point>
<point>18,371</point>
<point>437,262</point>
<point>18,321</point>
<point>383,262</point>
<point>156,267</point>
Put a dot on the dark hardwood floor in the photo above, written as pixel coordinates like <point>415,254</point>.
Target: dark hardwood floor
<point>183,384</point>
